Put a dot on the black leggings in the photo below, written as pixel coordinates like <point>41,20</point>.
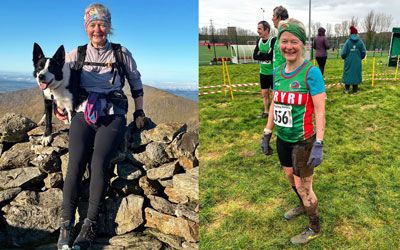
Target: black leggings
<point>101,144</point>
<point>321,63</point>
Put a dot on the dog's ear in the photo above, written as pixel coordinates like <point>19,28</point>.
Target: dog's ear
<point>59,56</point>
<point>37,53</point>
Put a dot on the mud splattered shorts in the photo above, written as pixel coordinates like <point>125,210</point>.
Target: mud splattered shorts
<point>296,155</point>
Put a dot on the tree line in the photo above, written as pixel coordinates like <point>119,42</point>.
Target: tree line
<point>374,29</point>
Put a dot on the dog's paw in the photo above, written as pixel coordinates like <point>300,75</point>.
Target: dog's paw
<point>46,140</point>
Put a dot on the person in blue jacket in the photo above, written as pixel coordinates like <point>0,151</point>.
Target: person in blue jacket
<point>353,52</point>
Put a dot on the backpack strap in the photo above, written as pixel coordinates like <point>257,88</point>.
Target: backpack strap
<point>81,57</point>
<point>75,79</point>
<point>119,60</point>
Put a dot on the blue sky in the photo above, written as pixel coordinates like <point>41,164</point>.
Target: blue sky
<point>161,35</point>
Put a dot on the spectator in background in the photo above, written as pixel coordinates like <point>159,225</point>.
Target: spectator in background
<point>209,46</point>
<point>353,52</point>
<point>280,13</point>
<point>321,45</point>
<point>263,52</point>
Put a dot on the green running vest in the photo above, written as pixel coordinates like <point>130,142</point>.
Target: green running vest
<point>278,59</point>
<point>266,67</point>
<point>293,106</point>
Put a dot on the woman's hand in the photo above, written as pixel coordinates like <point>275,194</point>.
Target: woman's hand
<point>60,113</point>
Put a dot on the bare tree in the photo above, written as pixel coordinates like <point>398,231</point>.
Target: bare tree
<point>344,28</point>
<point>383,22</point>
<point>338,28</point>
<point>354,22</point>
<point>222,31</point>
<point>245,32</point>
<point>328,30</point>
<point>370,28</point>
<point>203,30</point>
<point>314,28</point>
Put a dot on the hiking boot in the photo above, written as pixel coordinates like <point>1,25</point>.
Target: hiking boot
<point>64,240</point>
<point>86,236</point>
<point>263,115</point>
<point>306,236</point>
<point>294,212</point>
<point>347,91</point>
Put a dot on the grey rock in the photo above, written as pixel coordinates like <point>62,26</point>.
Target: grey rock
<point>14,128</point>
<point>188,162</point>
<point>183,145</point>
<point>48,163</point>
<point>172,225</point>
<point>156,153</point>
<point>149,187</point>
<point>166,183</point>
<point>64,164</point>
<point>162,205</point>
<point>129,215</point>
<point>118,216</point>
<point>190,245</point>
<point>8,194</point>
<point>186,184</point>
<point>57,129</point>
<point>163,172</point>
<point>17,156</point>
<point>20,177</point>
<point>186,212</point>
<point>53,180</point>
<point>128,171</point>
<point>125,187</point>
<point>45,150</point>
<point>136,241</point>
<point>33,216</point>
<point>137,140</point>
<point>196,153</point>
<point>171,240</point>
<point>60,140</point>
<point>164,133</point>
<point>175,195</point>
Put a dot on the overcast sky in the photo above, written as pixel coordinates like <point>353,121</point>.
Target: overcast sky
<point>247,14</point>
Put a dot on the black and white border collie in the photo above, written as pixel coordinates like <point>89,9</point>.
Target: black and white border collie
<point>52,76</point>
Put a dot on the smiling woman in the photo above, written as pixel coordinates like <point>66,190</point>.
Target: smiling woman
<point>98,72</point>
<point>299,94</point>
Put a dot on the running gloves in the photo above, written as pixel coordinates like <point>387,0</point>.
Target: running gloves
<point>266,149</point>
<point>139,118</point>
<point>316,155</point>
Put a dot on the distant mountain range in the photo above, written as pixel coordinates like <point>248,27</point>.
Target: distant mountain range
<point>159,105</point>
<point>13,81</point>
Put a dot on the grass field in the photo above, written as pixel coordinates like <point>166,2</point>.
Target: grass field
<point>205,55</point>
<point>244,193</point>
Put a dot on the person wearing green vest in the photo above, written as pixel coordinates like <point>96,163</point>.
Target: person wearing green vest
<point>280,13</point>
<point>298,96</point>
<point>353,52</point>
<point>263,53</point>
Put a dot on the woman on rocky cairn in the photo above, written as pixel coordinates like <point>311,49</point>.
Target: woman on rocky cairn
<point>99,124</point>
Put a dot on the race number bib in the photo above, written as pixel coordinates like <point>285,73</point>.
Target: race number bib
<point>283,115</point>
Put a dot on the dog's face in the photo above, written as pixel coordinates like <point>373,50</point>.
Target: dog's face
<point>48,71</point>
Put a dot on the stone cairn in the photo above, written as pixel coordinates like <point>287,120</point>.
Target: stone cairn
<point>152,201</point>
